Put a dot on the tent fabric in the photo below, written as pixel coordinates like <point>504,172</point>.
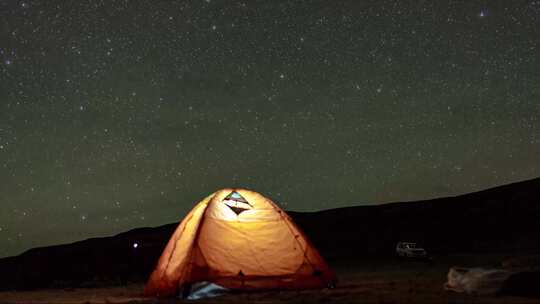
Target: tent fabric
<point>238,239</point>
<point>203,290</point>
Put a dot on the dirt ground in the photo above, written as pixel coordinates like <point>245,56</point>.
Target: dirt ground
<point>365,281</point>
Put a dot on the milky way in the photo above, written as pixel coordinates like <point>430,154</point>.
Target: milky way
<point>121,114</point>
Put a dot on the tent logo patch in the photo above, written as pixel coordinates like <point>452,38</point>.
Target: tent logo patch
<point>237,203</point>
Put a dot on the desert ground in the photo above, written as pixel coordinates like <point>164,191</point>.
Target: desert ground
<point>366,280</point>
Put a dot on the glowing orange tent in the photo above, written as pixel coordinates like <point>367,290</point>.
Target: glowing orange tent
<point>240,240</point>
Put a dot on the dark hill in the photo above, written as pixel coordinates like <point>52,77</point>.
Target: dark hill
<point>505,219</point>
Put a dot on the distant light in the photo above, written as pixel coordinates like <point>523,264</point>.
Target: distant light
<point>483,13</point>
<point>135,245</point>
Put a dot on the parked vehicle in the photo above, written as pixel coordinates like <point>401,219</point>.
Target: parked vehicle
<point>410,250</point>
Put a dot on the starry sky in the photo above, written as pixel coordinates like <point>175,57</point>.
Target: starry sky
<point>117,114</point>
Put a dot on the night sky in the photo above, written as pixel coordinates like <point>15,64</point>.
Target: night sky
<point>122,114</point>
